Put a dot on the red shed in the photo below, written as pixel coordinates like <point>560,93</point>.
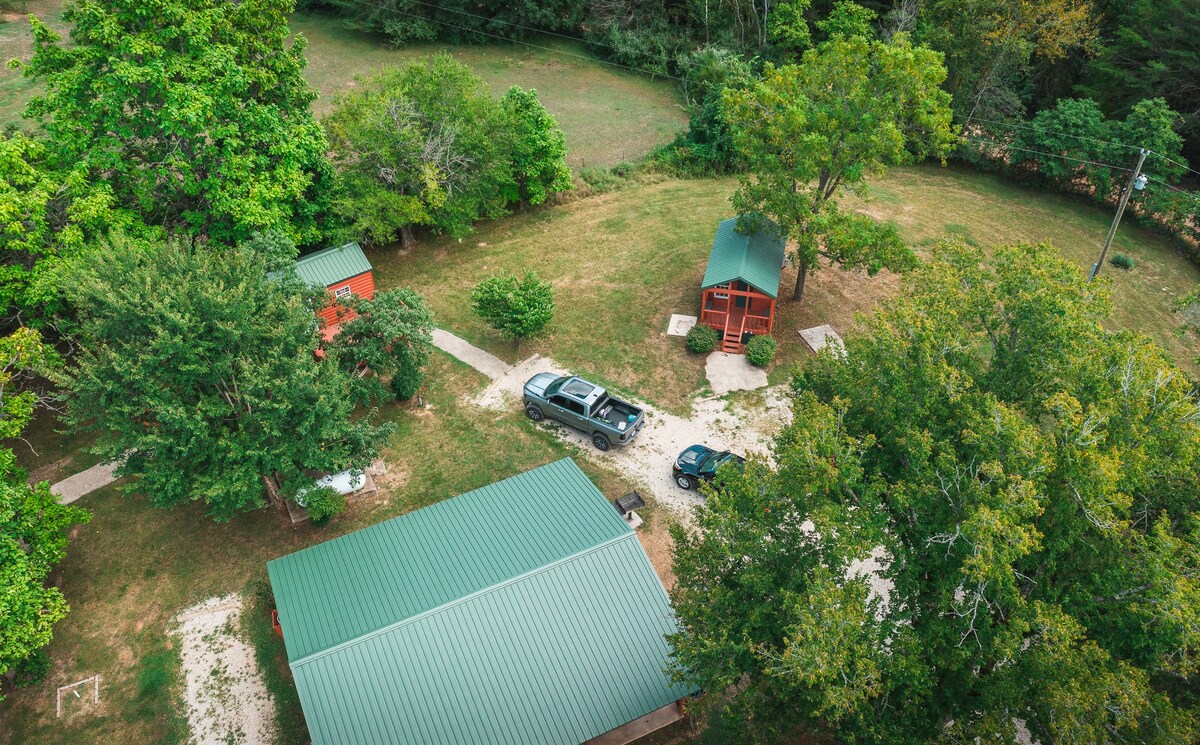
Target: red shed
<point>741,283</point>
<point>344,271</point>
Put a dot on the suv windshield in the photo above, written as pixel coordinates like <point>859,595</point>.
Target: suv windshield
<point>713,460</point>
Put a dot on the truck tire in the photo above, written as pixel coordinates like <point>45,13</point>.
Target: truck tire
<point>534,413</point>
<point>684,481</point>
<point>600,441</point>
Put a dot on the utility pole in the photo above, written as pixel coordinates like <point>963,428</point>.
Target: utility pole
<point>1137,181</point>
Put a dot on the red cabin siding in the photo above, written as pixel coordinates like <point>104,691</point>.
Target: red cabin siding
<point>362,285</point>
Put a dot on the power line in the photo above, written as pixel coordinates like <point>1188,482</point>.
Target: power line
<point>1173,188</point>
<point>1177,163</point>
<point>1078,137</point>
<point>1008,124</point>
<point>552,50</point>
<point>1048,155</point>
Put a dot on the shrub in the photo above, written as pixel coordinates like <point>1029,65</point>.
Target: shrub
<point>760,350</point>
<point>1124,261</point>
<point>323,503</point>
<point>517,308</point>
<point>31,670</point>
<point>406,382</point>
<point>701,339</point>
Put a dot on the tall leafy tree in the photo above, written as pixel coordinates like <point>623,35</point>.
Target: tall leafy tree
<point>392,335</point>
<point>1027,480</point>
<point>194,113</point>
<point>992,46</point>
<point>426,145</point>
<point>1151,52</point>
<point>199,373</point>
<point>849,110</point>
<point>46,216</point>
<point>538,149</point>
<point>33,525</point>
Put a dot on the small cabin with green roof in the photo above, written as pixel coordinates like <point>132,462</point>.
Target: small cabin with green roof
<point>741,284</point>
<point>343,271</point>
<point>522,613</point>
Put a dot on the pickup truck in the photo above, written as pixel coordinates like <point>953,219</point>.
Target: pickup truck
<point>584,406</point>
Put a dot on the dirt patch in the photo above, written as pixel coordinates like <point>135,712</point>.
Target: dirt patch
<point>660,547</point>
<point>226,699</point>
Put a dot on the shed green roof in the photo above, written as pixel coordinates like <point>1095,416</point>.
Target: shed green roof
<point>756,259</point>
<point>522,612</point>
<point>330,265</point>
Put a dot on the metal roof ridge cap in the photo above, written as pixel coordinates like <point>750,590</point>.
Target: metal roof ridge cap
<point>458,601</point>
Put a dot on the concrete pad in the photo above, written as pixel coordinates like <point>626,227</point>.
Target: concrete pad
<point>491,366</point>
<point>731,372</point>
<point>680,325</point>
<point>85,482</point>
<point>819,337</point>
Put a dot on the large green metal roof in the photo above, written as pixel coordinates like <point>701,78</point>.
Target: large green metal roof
<point>330,265</point>
<point>756,259</point>
<point>522,612</point>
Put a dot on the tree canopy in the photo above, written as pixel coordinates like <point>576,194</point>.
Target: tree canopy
<point>392,334</point>
<point>849,110</point>
<point>1025,480</point>
<point>427,145</point>
<point>33,525</point>
<point>200,372</point>
<point>194,113</point>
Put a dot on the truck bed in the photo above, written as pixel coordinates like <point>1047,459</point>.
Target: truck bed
<point>617,413</point>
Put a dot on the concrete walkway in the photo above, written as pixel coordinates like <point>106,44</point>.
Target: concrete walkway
<point>491,366</point>
<point>84,482</point>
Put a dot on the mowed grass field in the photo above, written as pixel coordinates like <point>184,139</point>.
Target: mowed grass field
<point>623,262</point>
<point>607,114</point>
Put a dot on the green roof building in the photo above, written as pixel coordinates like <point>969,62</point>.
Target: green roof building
<point>523,612</point>
<point>741,282</point>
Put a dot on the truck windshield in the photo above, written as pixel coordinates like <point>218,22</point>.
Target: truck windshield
<point>555,385</point>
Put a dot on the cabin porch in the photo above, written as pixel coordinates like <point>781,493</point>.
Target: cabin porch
<point>735,310</point>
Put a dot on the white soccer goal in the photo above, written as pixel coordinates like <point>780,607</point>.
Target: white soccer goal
<point>75,689</point>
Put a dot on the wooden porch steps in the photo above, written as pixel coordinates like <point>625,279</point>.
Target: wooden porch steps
<point>731,342</point>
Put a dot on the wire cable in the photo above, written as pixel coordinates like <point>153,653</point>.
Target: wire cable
<point>1079,137</point>
<point>1048,155</point>
<point>1049,132</point>
<point>552,50</point>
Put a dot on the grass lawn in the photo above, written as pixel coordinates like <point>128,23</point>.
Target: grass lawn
<point>623,262</point>
<point>134,567</point>
<point>607,114</point>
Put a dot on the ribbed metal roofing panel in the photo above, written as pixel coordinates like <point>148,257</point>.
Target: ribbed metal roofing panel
<point>756,259</point>
<point>522,612</point>
<point>331,265</point>
<point>558,656</point>
<point>361,582</point>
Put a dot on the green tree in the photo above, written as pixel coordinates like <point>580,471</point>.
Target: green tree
<point>392,334</point>
<point>992,47</point>
<point>195,113</point>
<point>801,130</point>
<point>33,525</point>
<point>539,150</point>
<point>426,145</point>
<point>200,373</point>
<point>517,308</point>
<point>1150,53</point>
<point>46,216</point>
<point>1027,481</point>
